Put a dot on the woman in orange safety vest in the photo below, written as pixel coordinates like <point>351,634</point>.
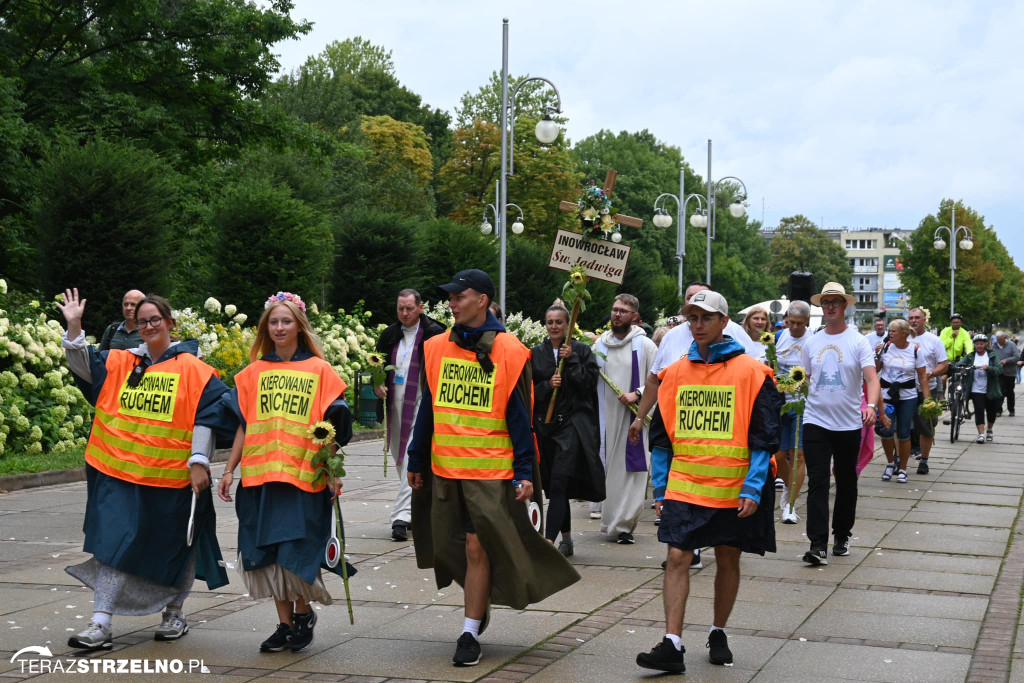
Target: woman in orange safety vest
<point>149,519</point>
<point>284,508</point>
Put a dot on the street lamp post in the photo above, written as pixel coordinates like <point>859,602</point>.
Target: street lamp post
<point>486,227</point>
<point>736,209</point>
<point>967,243</point>
<point>662,219</point>
<point>546,132</point>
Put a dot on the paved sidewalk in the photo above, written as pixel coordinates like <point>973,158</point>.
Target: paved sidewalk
<point>930,592</point>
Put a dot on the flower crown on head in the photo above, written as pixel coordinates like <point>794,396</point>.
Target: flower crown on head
<point>285,296</point>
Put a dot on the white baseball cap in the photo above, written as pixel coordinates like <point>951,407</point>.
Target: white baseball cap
<point>706,300</point>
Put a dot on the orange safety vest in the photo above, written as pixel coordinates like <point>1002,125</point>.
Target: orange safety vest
<point>279,401</point>
<point>471,439</point>
<point>708,424</point>
<point>144,434</point>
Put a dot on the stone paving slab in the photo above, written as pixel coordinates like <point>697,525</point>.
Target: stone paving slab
<point>908,604</point>
<point>890,627</point>
<point>948,538</point>
<point>798,661</point>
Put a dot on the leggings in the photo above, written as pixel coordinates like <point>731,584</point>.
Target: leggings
<point>559,517</point>
<point>984,405</point>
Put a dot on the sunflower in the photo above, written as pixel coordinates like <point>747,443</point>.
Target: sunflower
<point>375,360</point>
<point>767,338</point>
<point>321,433</point>
<point>798,374</point>
<point>577,277</point>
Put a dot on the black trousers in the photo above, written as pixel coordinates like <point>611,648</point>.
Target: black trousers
<point>1008,383</point>
<point>824,450</point>
<point>559,517</point>
<point>985,407</point>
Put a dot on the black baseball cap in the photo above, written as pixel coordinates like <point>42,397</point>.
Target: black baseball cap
<point>470,279</point>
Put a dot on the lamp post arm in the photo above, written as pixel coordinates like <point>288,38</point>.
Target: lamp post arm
<point>517,209</point>
<point>512,114</point>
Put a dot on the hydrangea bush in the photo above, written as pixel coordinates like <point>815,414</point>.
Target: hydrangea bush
<point>222,339</point>
<point>41,410</point>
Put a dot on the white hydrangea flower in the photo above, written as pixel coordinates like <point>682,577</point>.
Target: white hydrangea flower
<point>312,309</point>
<point>230,310</point>
<point>34,448</point>
<point>240,318</point>
<point>3,286</point>
<point>212,305</point>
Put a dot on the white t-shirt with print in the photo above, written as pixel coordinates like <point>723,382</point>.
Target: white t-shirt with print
<point>900,365</point>
<point>980,385</point>
<point>934,352</point>
<point>789,352</point>
<point>874,339</point>
<point>835,367</point>
<point>676,344</point>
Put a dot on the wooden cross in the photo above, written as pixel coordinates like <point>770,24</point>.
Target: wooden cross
<point>621,219</point>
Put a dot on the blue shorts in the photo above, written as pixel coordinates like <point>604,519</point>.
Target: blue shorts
<point>786,442</point>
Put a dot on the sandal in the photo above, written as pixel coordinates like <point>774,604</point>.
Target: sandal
<point>980,439</point>
<point>887,475</point>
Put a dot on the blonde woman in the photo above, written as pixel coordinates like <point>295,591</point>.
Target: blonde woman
<point>283,506</point>
<point>146,462</point>
<point>755,324</point>
<point>900,369</point>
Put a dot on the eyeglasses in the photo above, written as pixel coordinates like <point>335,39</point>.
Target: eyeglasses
<point>622,311</point>
<point>834,303</point>
<point>152,322</point>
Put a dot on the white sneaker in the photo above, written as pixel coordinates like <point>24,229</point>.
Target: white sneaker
<point>980,439</point>
<point>988,435</point>
<point>783,496</point>
<point>595,515</point>
<point>172,627</point>
<point>94,637</point>
<point>780,483</point>
<point>789,516</point>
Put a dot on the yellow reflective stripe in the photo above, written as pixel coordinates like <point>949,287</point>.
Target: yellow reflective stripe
<point>276,445</point>
<point>140,449</point>
<point>141,428</point>
<point>460,420</point>
<point>701,490</point>
<point>460,440</point>
<point>710,470</point>
<point>277,424</point>
<point>278,466</point>
<point>709,449</point>
<point>135,468</point>
<point>471,463</point>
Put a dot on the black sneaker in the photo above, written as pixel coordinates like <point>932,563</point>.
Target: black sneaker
<point>916,452</point>
<point>816,558</point>
<point>566,547</point>
<point>467,651</point>
<point>399,531</point>
<point>718,648</point>
<point>279,640</point>
<point>922,467</point>
<point>625,538</point>
<point>302,631</point>
<point>841,548</point>
<point>663,657</point>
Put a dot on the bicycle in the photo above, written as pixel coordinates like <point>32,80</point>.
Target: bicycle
<point>959,401</point>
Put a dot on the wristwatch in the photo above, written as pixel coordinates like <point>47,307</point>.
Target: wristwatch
<point>872,406</point>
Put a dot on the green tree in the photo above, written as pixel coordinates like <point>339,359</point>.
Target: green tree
<point>91,198</point>
<point>739,258</point>
<point>399,167</point>
<point>443,248</point>
<point>989,286</point>
<point>375,257</point>
<point>534,100</point>
<point>267,241</point>
<point>798,244</point>
<point>544,175</point>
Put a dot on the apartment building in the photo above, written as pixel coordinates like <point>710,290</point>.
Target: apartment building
<point>874,258</point>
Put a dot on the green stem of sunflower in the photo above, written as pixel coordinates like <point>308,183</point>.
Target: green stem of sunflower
<point>385,436</point>
<point>344,563</point>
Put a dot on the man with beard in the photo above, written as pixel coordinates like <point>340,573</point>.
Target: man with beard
<point>626,355</point>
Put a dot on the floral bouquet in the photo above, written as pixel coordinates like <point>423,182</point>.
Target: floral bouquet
<point>930,409</point>
<point>329,467</point>
<point>796,385</point>
<point>595,211</point>
<point>379,373</point>
<point>575,294</point>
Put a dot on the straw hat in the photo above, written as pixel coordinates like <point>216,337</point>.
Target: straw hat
<point>836,289</point>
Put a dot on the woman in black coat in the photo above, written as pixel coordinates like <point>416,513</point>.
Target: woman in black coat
<point>569,460</point>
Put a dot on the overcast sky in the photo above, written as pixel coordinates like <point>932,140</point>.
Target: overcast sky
<point>859,114</point>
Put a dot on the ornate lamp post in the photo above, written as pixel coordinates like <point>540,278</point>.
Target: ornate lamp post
<point>546,132</point>
<point>662,219</point>
<point>966,243</point>
<point>736,208</point>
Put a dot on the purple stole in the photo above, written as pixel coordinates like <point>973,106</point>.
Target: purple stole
<point>412,382</point>
<point>635,460</point>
